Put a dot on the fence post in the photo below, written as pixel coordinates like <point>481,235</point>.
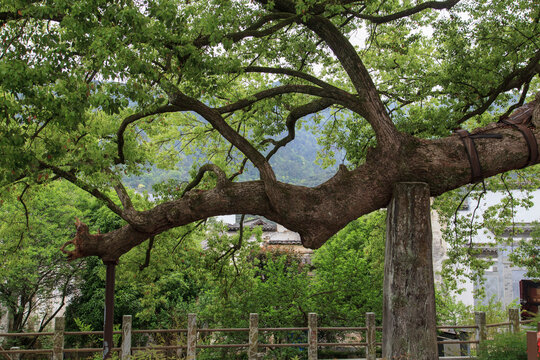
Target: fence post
<point>481,333</point>
<point>58,339</point>
<point>126,337</point>
<point>312,336</point>
<point>192,337</point>
<point>15,356</point>
<point>370,336</point>
<point>253,336</point>
<point>513,318</point>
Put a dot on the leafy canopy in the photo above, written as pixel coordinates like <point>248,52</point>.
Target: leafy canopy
<point>96,91</point>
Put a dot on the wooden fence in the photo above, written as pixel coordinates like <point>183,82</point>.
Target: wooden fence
<point>254,347</point>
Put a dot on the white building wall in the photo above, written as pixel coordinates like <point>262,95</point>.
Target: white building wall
<point>502,279</point>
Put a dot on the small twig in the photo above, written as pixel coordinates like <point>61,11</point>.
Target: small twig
<point>45,123</point>
<point>148,252</point>
<point>459,207</point>
<point>20,198</point>
<point>240,171</point>
<point>233,249</point>
<point>484,191</point>
<point>519,103</point>
<point>512,201</point>
<point>72,178</point>
<point>186,234</point>
<point>229,156</point>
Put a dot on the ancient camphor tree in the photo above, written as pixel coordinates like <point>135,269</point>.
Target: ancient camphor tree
<point>94,91</point>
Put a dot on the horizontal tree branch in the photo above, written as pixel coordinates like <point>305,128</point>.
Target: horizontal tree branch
<point>252,30</point>
<point>290,72</point>
<point>339,96</point>
<point>317,213</point>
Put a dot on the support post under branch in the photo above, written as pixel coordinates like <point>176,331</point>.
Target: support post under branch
<point>409,294</point>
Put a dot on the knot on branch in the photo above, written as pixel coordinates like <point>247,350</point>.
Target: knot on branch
<point>222,179</point>
<point>82,240</point>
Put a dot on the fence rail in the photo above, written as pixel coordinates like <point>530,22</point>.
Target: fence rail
<point>254,346</point>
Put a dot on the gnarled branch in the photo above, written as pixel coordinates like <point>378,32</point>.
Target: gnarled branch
<point>222,180</point>
<point>514,80</point>
<point>297,113</point>
<point>438,5</point>
<point>317,213</point>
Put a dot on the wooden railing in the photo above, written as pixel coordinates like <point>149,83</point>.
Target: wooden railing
<point>188,348</point>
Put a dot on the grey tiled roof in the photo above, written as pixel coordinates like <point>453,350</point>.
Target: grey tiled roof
<point>284,242</point>
<point>266,225</point>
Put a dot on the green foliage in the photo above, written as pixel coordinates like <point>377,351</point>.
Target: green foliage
<point>449,311</point>
<point>505,346</point>
<point>223,286</point>
<point>33,226</point>
<point>453,312</point>
<point>527,253</point>
<point>344,266</point>
<point>72,72</point>
<point>157,296</point>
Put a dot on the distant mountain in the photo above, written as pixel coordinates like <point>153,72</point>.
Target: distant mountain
<point>294,164</point>
<point>297,162</point>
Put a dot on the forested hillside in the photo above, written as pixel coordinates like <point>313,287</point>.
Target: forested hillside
<point>297,164</point>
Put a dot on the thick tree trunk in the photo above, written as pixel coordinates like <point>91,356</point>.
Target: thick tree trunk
<point>409,295</point>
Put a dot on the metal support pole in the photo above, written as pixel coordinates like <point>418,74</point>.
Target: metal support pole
<point>109,309</point>
<point>532,345</point>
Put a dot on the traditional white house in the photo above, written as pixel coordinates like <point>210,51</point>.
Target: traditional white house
<point>274,236</point>
<point>503,281</point>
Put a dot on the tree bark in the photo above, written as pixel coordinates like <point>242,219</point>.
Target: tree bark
<point>409,330</point>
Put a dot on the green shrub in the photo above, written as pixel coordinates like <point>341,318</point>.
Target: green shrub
<point>505,346</point>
